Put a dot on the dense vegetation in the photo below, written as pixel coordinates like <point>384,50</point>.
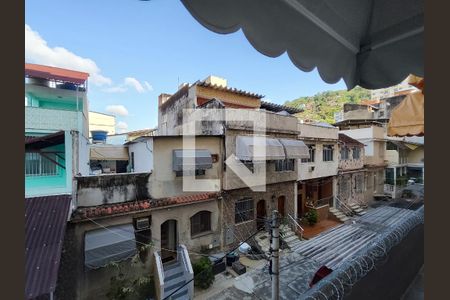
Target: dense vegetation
<point>322,106</point>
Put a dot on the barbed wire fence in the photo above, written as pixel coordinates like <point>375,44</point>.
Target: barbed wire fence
<point>339,283</point>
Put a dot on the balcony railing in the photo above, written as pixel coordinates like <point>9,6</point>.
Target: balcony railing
<point>320,202</point>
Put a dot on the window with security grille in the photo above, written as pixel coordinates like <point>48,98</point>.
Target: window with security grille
<point>344,189</point>
<point>244,210</point>
<point>327,152</point>
<point>344,153</point>
<point>285,165</point>
<point>38,165</point>
<point>201,222</point>
<point>359,184</point>
<point>312,153</point>
<point>356,153</point>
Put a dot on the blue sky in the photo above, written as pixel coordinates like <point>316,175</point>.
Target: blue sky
<point>136,50</point>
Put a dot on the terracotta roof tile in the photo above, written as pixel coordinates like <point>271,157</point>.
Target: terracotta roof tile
<point>126,207</point>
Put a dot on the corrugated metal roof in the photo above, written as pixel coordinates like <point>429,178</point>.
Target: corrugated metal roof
<point>47,72</point>
<point>336,245</point>
<point>45,224</point>
<point>39,142</point>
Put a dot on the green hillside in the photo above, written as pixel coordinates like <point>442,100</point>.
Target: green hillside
<point>322,106</point>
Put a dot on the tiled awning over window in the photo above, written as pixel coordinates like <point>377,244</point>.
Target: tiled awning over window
<point>45,224</point>
<point>249,148</point>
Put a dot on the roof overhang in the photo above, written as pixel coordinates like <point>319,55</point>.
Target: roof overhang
<point>54,73</point>
<point>40,142</point>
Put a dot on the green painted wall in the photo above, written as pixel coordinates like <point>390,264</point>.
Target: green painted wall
<point>66,104</point>
<point>46,185</point>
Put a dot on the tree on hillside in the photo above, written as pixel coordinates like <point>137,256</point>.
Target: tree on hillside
<point>322,106</point>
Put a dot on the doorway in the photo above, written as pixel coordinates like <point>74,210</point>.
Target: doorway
<point>261,214</point>
<point>169,240</point>
<point>281,206</point>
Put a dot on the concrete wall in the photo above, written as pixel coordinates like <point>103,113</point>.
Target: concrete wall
<point>170,115</point>
<point>317,132</point>
<point>232,181</point>
<point>99,121</point>
<point>111,188</point>
<point>401,266</point>
<point>350,163</point>
<point>78,282</point>
<point>417,155</point>
<point>233,233</point>
<point>143,155</point>
<point>321,168</point>
<point>350,194</point>
<point>182,215</point>
<point>373,132</point>
<point>164,182</point>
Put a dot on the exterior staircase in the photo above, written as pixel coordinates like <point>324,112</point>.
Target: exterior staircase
<point>262,238</point>
<point>172,277</point>
<point>350,211</point>
<point>339,214</point>
<point>289,237</point>
<point>357,209</point>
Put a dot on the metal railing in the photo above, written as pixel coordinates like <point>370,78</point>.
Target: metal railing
<point>320,202</point>
<point>295,225</point>
<point>343,207</point>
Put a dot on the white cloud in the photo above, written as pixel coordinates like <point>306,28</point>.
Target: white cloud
<point>119,110</point>
<point>37,51</point>
<point>121,127</point>
<point>115,89</point>
<point>130,82</point>
<point>134,83</point>
<point>149,86</point>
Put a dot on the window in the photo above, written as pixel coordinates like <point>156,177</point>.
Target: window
<point>327,152</point>
<point>190,172</point>
<point>356,153</point>
<point>132,161</point>
<point>344,153</point>
<point>38,165</point>
<point>201,222</point>
<point>359,188</point>
<point>391,146</point>
<point>312,152</point>
<point>285,165</point>
<point>249,164</point>
<point>343,188</point>
<point>243,210</point>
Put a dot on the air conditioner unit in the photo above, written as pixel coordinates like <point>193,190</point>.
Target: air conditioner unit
<point>143,223</point>
<point>311,168</point>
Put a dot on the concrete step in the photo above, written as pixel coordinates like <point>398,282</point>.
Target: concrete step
<point>290,239</point>
<point>287,233</point>
<point>181,294</point>
<point>362,213</point>
<point>354,206</point>
<point>172,285</point>
<point>339,215</point>
<point>343,219</point>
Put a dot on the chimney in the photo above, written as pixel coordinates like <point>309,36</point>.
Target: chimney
<point>163,98</point>
<point>214,80</point>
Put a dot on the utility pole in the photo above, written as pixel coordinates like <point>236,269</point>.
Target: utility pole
<point>275,260</point>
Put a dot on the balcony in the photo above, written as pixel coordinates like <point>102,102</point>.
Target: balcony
<point>316,131</point>
<point>48,119</point>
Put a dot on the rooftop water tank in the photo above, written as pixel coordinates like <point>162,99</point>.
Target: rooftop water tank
<point>99,136</point>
